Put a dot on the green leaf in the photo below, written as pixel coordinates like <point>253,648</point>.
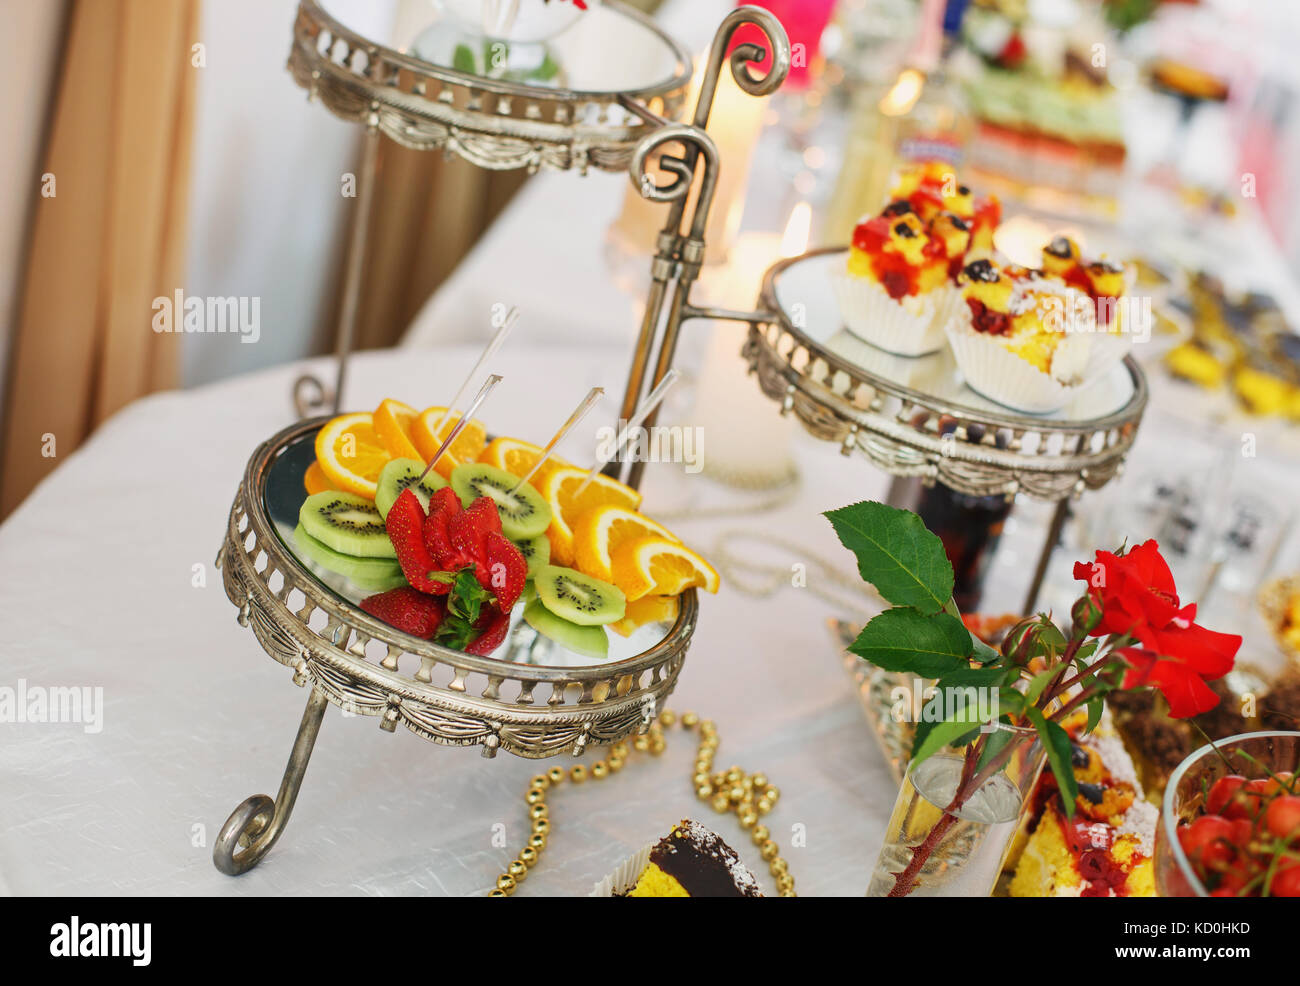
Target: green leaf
<point>1039,682</point>
<point>1095,709</point>
<point>982,652</point>
<point>1056,741</point>
<point>467,596</point>
<point>454,632</point>
<point>1010,700</point>
<point>896,553</point>
<point>993,746</point>
<point>903,639</point>
<point>462,60</point>
<point>950,697</point>
<point>1050,635</point>
<point>944,733</point>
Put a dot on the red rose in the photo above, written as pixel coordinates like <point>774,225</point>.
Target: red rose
<point>1133,589</point>
<point>1137,597</point>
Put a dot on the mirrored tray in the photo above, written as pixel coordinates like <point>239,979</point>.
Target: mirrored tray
<point>917,417</point>
<point>613,62</point>
<point>536,700</point>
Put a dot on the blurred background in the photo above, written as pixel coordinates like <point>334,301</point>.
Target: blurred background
<point>157,145</point>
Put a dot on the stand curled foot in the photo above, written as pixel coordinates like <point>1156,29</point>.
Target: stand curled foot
<point>253,827</point>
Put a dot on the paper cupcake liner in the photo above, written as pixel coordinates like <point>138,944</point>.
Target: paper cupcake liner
<point>1000,375</point>
<point>912,327</point>
<point>624,878</point>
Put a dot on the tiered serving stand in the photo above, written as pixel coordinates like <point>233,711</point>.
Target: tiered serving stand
<point>916,419</point>
<point>515,702</point>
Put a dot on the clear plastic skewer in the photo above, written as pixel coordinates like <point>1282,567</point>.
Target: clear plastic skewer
<point>511,318</point>
<point>482,395</point>
<point>652,401</point>
<point>580,412</point>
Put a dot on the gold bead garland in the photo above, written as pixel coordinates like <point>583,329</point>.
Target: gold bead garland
<point>748,796</point>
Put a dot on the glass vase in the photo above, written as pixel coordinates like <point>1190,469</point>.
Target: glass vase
<point>957,852</point>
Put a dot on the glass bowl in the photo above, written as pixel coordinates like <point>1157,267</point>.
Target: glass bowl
<point>1278,750</point>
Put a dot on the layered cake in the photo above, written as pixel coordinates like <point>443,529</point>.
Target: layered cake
<point>693,861</point>
<point>1105,849</point>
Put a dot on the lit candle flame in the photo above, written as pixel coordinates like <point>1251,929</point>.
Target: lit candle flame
<point>904,93</point>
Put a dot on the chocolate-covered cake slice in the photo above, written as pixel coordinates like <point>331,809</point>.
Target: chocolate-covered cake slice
<point>692,861</point>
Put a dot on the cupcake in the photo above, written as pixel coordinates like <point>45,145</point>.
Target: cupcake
<point>898,289</point>
<point>690,861</point>
<point>1030,339</point>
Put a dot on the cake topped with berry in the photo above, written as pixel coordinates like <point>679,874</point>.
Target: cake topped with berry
<point>898,289</point>
<point>1104,847</point>
<point>920,239</point>
<point>1039,318</point>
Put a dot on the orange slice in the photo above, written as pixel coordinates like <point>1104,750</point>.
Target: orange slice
<point>316,481</point>
<point>647,609</point>
<point>466,448</point>
<point>516,457</point>
<point>393,423</point>
<point>559,488</point>
<point>598,533</point>
<point>351,454</point>
<point>657,566</point>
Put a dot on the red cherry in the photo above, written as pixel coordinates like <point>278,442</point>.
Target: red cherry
<point>1204,839</point>
<point>1243,830</point>
<point>1283,816</point>
<point>1286,883</point>
<point>1222,792</point>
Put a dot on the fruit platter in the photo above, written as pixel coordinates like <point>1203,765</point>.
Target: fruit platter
<point>404,566</point>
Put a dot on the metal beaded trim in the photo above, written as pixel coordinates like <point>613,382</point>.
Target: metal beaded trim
<point>446,696</point>
<point>491,123</point>
<point>909,433</point>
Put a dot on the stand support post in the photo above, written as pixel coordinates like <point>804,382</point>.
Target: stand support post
<point>253,827</point>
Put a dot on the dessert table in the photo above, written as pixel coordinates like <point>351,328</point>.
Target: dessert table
<point>107,583</point>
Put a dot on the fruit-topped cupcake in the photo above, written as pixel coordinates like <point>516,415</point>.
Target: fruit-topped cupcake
<point>1027,339</point>
<point>899,288</point>
<point>1104,281</point>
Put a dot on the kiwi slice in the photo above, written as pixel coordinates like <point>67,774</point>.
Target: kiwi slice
<point>371,574</point>
<point>591,641</point>
<point>397,476</point>
<point>524,514</point>
<point>536,551</point>
<point>579,598</point>
<point>347,523</point>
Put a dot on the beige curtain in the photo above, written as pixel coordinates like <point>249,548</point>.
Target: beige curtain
<point>427,213</point>
<point>109,239</point>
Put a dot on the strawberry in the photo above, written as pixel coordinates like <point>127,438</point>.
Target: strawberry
<point>506,567</point>
<point>405,526</point>
<point>406,609</point>
<point>495,622</point>
<point>443,505</point>
<point>467,531</point>
<point>469,527</point>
